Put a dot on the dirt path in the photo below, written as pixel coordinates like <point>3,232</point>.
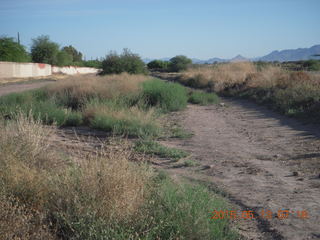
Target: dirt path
<point>21,87</point>
<point>262,160</point>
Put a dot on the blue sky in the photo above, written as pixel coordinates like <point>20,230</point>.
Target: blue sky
<point>164,28</point>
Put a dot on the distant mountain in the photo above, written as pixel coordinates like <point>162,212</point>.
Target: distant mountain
<point>239,58</point>
<point>281,56</point>
<point>291,54</point>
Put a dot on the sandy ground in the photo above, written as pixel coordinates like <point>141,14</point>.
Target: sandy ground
<point>261,160</point>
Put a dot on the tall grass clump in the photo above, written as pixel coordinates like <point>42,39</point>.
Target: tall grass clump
<point>167,96</point>
<point>121,119</point>
<point>74,92</point>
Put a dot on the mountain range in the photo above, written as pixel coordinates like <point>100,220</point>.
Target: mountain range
<point>281,56</point>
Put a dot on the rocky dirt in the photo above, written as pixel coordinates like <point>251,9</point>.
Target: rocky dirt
<point>262,161</point>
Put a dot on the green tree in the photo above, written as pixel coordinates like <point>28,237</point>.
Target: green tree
<point>64,58</point>
<point>179,63</point>
<point>76,55</point>
<point>11,51</point>
<point>158,65</point>
<point>126,62</point>
<point>44,51</point>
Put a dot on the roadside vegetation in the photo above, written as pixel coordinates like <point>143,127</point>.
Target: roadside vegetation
<point>48,194</point>
<point>294,93</point>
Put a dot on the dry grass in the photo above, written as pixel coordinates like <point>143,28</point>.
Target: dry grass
<point>105,185</point>
<point>292,93</point>
<point>78,89</point>
<point>220,76</point>
<point>19,223</point>
<point>224,76</point>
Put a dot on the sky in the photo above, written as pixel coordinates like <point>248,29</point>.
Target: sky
<point>164,28</point>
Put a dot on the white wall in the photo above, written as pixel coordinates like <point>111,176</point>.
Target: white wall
<point>71,70</point>
<point>24,70</point>
<point>21,70</point>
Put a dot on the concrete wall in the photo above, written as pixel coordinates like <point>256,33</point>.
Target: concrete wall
<point>24,70</point>
<point>71,70</point>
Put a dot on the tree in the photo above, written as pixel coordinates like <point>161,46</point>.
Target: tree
<point>64,58</point>
<point>158,65</point>
<point>12,51</point>
<point>44,51</point>
<point>126,62</point>
<point>76,55</point>
<point>179,63</point>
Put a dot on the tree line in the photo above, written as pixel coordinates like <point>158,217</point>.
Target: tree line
<point>43,50</point>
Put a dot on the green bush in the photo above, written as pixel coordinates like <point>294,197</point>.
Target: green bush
<point>126,62</point>
<point>179,63</point>
<point>203,98</point>
<point>167,96</point>
<point>158,65</point>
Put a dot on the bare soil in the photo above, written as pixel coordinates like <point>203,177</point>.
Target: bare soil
<point>21,87</point>
<point>260,160</point>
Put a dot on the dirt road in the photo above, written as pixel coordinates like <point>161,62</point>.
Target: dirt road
<point>21,87</point>
<point>264,162</point>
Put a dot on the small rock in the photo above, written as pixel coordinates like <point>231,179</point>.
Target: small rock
<point>300,179</point>
<point>277,155</point>
<point>207,167</point>
<point>295,174</point>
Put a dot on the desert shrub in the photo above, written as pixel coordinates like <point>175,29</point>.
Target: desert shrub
<point>158,65</point>
<point>167,96</point>
<point>312,65</point>
<point>203,98</point>
<point>179,63</point>
<point>126,62</point>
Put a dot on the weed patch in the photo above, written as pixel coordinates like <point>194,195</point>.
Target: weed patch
<point>154,148</point>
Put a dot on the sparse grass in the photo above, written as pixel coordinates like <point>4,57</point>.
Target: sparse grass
<point>203,98</point>
<point>154,148</point>
<point>179,132</point>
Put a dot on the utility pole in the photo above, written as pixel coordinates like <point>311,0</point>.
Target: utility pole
<point>18,38</point>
